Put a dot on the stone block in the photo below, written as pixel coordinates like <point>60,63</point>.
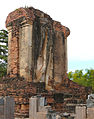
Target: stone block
<point>80,112</point>
<point>41,115</point>
<point>6,108</point>
<point>42,101</point>
<point>33,107</point>
<point>90,101</point>
<point>90,113</point>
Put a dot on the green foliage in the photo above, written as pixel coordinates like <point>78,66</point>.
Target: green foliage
<point>3,45</point>
<point>85,79</point>
<point>3,52</point>
<point>3,69</point>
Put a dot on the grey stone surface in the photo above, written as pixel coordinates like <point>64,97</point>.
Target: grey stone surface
<point>38,110</point>
<point>42,101</point>
<point>33,107</point>
<point>90,101</point>
<point>91,96</point>
<point>6,108</point>
<point>80,112</point>
<point>90,113</point>
<point>1,101</point>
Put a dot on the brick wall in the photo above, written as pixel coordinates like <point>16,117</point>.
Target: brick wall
<point>34,38</point>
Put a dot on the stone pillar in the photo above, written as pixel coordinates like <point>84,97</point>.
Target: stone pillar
<point>59,57</point>
<point>37,108</point>
<point>66,56</point>
<point>25,51</point>
<point>1,108</point>
<point>6,108</point>
<point>20,50</point>
<point>9,47</point>
<point>33,107</point>
<point>13,58</point>
<point>80,112</point>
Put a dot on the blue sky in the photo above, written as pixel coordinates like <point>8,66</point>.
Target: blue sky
<point>80,65</point>
<point>78,15</point>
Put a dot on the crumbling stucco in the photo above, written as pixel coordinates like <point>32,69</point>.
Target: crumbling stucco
<point>37,46</point>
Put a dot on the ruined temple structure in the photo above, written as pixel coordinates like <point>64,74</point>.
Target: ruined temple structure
<point>37,46</point>
<point>37,63</point>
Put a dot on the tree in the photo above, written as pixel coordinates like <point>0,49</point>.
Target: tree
<point>85,79</point>
<point>3,52</point>
<point>3,45</point>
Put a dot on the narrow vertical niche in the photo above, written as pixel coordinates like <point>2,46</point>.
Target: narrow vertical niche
<point>63,39</point>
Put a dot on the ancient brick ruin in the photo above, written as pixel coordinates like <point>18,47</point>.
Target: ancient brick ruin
<point>37,46</point>
<point>37,63</point>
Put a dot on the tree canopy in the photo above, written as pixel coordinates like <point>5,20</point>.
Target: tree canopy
<point>3,52</point>
<point>83,78</point>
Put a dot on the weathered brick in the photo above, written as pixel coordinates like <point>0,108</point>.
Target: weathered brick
<point>38,53</point>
